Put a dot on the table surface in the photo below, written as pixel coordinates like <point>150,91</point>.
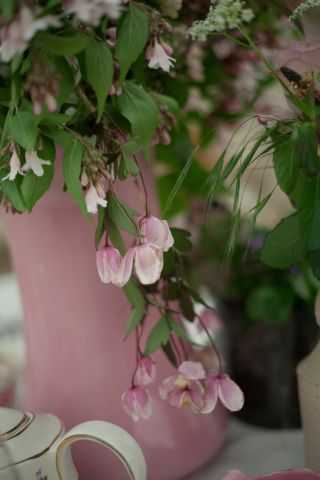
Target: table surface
<point>255,451</point>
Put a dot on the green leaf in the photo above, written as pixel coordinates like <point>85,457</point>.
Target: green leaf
<point>7,8</point>
<point>33,187</point>
<point>135,297</point>
<point>286,164</point>
<point>128,166</point>
<point>72,162</point>
<point>285,245</point>
<point>12,191</point>
<point>121,215</point>
<point>100,229</point>
<point>61,45</point>
<point>23,128</point>
<point>306,147</point>
<point>159,335</point>
<point>138,107</point>
<point>99,71</point>
<point>178,329</point>
<point>132,38</point>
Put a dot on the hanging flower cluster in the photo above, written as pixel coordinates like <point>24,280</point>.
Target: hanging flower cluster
<point>105,81</point>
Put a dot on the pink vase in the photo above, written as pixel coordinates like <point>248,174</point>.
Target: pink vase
<point>78,364</point>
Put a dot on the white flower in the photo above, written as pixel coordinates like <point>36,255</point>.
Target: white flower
<point>303,8</point>
<point>15,166</point>
<point>15,36</point>
<point>91,11</point>
<point>158,55</point>
<point>34,163</point>
<point>94,198</point>
<point>223,15</point>
<point>148,262</point>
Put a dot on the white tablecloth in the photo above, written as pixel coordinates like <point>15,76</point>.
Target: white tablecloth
<point>255,451</point>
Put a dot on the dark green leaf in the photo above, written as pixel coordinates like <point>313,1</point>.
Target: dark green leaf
<point>12,191</point>
<point>99,71</point>
<point>136,299</point>
<point>306,147</point>
<point>33,187</point>
<point>121,215</point>
<point>284,246</point>
<point>100,229</point>
<point>132,38</point>
<point>138,107</point>
<point>61,45</point>
<point>159,336</point>
<point>23,128</point>
<point>72,163</point>
<point>286,164</point>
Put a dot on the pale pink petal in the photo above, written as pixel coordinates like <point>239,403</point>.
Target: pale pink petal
<point>34,163</point>
<point>108,264</point>
<point>156,232</point>
<point>167,386</point>
<point>159,58</point>
<point>146,372</point>
<point>196,392</point>
<point>179,398</point>
<point>210,396</point>
<point>125,270</point>
<point>148,263</point>
<point>93,200</point>
<point>236,475</point>
<point>137,403</point>
<point>192,370</point>
<point>230,393</point>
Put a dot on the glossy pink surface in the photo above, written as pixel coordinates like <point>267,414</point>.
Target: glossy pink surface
<point>77,362</point>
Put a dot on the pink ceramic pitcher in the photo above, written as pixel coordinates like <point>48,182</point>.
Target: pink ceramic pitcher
<point>78,364</point>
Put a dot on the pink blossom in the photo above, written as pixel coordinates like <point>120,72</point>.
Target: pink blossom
<point>15,166</point>
<point>221,387</point>
<point>112,268</point>
<point>185,389</point>
<point>94,198</point>
<point>34,163</point>
<point>156,232</point>
<point>210,320</point>
<point>148,262</point>
<point>16,35</point>
<point>137,403</point>
<point>236,475</point>
<point>158,55</point>
<point>92,11</point>
<point>146,372</point>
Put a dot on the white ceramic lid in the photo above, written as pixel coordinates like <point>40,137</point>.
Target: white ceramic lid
<point>38,436</point>
<point>9,419</point>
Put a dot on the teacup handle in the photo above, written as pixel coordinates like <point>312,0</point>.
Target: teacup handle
<point>110,436</point>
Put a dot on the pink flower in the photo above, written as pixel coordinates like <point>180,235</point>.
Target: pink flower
<point>137,403</point>
<point>235,475</point>
<point>148,262</point>
<point>221,387</point>
<point>112,268</point>
<point>146,372</point>
<point>91,11</point>
<point>16,35</point>
<point>94,198</point>
<point>185,389</point>
<point>156,232</point>
<point>34,163</point>
<point>158,55</point>
<point>210,320</point>
<point>15,166</point>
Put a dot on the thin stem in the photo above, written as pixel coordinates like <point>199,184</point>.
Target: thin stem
<point>146,195</point>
